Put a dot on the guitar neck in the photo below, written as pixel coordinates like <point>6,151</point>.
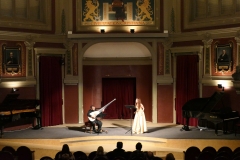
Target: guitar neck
<point>95,113</point>
<point>104,107</point>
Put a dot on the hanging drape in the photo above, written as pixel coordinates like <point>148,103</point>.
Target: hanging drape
<point>50,79</point>
<point>124,90</point>
<point>186,84</point>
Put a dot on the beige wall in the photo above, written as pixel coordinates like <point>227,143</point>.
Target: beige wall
<point>205,37</point>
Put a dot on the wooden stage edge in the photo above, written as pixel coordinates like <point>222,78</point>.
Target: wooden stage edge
<point>160,146</point>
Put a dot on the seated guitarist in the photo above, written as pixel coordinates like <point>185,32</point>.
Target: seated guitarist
<point>94,119</point>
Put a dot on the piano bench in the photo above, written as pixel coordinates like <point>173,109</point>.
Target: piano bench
<point>237,128</point>
<point>88,124</point>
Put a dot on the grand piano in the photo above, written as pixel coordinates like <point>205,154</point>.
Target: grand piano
<point>13,110</point>
<point>205,109</point>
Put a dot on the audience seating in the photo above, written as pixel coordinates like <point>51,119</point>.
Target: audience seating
<point>10,150</point>
<point>92,155</point>
<point>210,149</point>
<point>137,158</point>
<point>128,154</point>
<point>46,158</point>
<point>224,154</point>
<point>237,154</point>
<point>57,155</point>
<point>205,156</point>
<point>80,155</point>
<point>24,153</point>
<point>236,158</point>
<point>157,158</point>
<point>100,158</point>
<point>110,155</point>
<point>191,153</point>
<point>236,150</point>
<point>225,149</point>
<point>6,156</point>
<point>221,158</point>
<point>210,153</point>
<point>117,158</point>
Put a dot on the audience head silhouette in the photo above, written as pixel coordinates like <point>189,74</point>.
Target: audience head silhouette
<point>170,156</point>
<point>119,145</point>
<point>150,154</point>
<point>65,148</point>
<point>139,146</point>
<point>100,151</point>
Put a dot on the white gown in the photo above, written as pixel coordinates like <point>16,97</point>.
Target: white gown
<point>139,122</point>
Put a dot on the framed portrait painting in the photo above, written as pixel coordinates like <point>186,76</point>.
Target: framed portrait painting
<point>224,57</point>
<point>11,60</point>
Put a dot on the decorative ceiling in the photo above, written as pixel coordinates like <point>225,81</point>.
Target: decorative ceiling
<point>117,50</point>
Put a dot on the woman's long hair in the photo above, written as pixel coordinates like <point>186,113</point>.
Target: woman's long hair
<point>138,105</point>
<point>100,151</point>
<point>65,149</point>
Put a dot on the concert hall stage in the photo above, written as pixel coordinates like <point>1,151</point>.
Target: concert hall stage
<point>160,138</point>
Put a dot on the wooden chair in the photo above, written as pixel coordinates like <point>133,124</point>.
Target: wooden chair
<point>87,125</point>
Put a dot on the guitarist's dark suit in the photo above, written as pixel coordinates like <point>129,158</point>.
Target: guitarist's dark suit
<point>94,120</point>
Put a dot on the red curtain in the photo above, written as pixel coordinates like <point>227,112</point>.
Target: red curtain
<point>50,75</point>
<point>186,85</point>
<point>124,90</point>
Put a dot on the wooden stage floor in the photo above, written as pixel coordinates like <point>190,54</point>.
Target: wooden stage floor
<point>161,138</point>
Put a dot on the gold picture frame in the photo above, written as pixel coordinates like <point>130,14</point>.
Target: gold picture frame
<point>11,61</point>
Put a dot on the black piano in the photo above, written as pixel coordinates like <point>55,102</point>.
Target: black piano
<point>205,109</point>
<point>13,110</point>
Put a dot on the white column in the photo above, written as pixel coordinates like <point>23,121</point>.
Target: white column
<point>154,83</point>
<point>80,82</point>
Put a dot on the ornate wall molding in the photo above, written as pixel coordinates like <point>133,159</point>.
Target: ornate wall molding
<point>68,58</point>
<point>167,56</point>
<point>29,43</point>
<point>207,41</point>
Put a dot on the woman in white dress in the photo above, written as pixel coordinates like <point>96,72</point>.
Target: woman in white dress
<point>139,122</point>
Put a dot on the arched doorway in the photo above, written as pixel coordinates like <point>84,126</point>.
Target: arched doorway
<point>116,60</point>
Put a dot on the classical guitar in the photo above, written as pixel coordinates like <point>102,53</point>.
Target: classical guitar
<point>95,113</point>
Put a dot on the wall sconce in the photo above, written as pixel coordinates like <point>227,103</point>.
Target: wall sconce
<point>14,90</point>
<point>220,86</point>
<point>132,31</point>
<point>62,61</point>
<point>102,30</point>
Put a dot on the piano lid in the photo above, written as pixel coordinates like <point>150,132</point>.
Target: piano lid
<point>203,104</point>
<point>9,98</point>
<point>213,101</point>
